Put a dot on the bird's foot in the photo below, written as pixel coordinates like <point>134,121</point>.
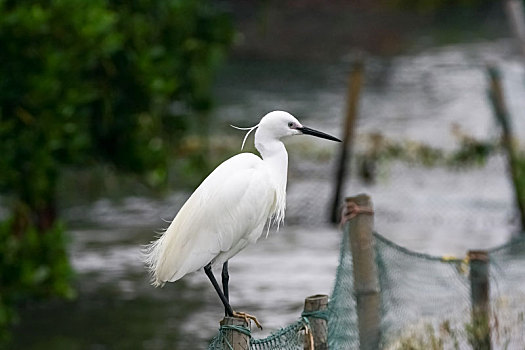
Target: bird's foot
<point>351,210</point>
<point>247,318</point>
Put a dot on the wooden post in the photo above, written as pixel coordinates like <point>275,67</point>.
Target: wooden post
<point>233,338</point>
<point>516,18</point>
<point>479,287</point>
<point>355,81</point>
<point>318,326</point>
<point>366,279</point>
<point>502,116</point>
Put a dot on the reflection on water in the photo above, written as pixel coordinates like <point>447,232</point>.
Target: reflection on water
<point>414,96</point>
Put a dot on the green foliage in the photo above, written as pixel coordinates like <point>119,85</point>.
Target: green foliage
<point>478,333</point>
<point>89,81</point>
<point>85,83</point>
<point>427,337</point>
<point>470,153</point>
<point>33,265</point>
<point>427,340</point>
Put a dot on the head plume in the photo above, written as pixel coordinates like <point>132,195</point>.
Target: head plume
<point>247,134</point>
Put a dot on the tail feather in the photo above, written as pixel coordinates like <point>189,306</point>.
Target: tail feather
<point>151,254</point>
<point>166,258</point>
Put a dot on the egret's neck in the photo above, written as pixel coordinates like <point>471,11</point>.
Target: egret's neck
<point>274,154</point>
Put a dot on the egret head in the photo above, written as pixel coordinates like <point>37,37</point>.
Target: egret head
<point>279,124</point>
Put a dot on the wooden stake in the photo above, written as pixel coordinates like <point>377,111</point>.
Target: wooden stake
<point>366,279</point>
<point>516,18</point>
<point>502,116</point>
<point>237,340</point>
<point>355,81</point>
<point>318,326</point>
<point>479,287</point>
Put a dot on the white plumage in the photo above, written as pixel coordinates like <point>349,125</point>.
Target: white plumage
<point>225,213</point>
<point>231,206</point>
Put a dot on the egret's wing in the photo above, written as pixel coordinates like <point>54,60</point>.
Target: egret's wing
<point>233,201</point>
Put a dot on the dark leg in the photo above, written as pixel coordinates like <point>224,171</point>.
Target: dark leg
<point>209,273</point>
<point>225,280</point>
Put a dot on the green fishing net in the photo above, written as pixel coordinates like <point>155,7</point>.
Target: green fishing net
<point>425,302</point>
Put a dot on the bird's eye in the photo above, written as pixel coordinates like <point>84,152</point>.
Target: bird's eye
<point>290,124</point>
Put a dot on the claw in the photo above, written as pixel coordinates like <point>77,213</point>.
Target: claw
<point>247,318</point>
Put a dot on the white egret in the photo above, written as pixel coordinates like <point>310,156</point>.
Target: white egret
<point>229,209</point>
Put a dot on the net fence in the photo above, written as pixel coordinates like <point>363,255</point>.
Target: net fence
<point>425,302</point>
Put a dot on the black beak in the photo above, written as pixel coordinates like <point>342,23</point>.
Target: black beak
<point>308,131</point>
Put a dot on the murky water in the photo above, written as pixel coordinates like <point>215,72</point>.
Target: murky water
<point>416,96</point>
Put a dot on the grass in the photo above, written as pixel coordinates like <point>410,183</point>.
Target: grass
<point>506,331</point>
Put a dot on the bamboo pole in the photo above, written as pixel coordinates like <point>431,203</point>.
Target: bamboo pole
<point>234,339</point>
<point>355,81</point>
<point>479,287</point>
<point>366,279</point>
<point>318,326</point>
<point>502,116</point>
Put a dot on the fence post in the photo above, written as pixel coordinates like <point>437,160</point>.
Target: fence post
<point>479,287</point>
<point>502,116</point>
<point>355,82</point>
<point>516,18</point>
<point>234,339</point>
<point>318,326</point>
<point>366,279</point>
